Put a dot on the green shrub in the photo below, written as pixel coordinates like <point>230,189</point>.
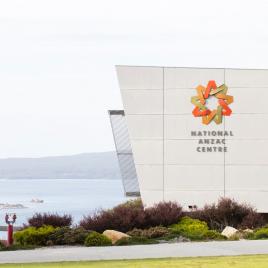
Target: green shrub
<point>2,246</point>
<point>261,233</point>
<point>76,236</point>
<point>190,228</point>
<point>214,235</point>
<point>248,235</point>
<point>153,232</point>
<point>68,236</point>
<point>95,239</point>
<point>134,241</point>
<point>194,229</point>
<point>234,237</point>
<point>57,237</point>
<point>34,236</point>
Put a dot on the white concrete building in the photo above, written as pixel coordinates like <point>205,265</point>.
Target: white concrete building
<point>170,144</point>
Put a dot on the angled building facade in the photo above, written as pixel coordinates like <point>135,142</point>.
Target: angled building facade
<point>197,134</point>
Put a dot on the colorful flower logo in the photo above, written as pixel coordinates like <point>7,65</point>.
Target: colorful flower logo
<point>212,91</point>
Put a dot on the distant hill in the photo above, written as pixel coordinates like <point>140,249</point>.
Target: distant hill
<point>82,166</point>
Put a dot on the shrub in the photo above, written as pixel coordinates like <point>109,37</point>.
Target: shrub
<point>57,237</point>
<point>153,232</point>
<point>261,233</point>
<point>34,236</point>
<point>135,232</point>
<point>123,218</point>
<point>2,246</point>
<point>95,239</point>
<point>68,236</point>
<point>76,236</point>
<point>191,228</point>
<point>252,220</point>
<point>214,235</point>
<point>234,237</point>
<point>163,213</point>
<point>134,241</point>
<point>132,214</point>
<point>55,220</point>
<point>228,212</point>
<point>194,229</point>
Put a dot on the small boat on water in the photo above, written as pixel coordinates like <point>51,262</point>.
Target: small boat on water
<point>36,200</point>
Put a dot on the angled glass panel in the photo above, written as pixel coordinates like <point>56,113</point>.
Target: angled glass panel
<point>124,153</point>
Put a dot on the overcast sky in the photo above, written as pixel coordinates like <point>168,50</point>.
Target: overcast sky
<point>57,58</point>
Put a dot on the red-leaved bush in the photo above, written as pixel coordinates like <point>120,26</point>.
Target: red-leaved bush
<point>55,220</point>
<point>122,218</point>
<point>163,213</point>
<point>132,214</point>
<point>228,212</point>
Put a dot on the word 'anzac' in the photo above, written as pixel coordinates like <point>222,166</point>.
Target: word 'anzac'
<point>211,141</point>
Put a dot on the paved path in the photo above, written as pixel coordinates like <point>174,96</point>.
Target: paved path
<point>187,249</point>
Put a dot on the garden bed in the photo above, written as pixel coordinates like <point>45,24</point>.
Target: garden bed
<point>132,224</point>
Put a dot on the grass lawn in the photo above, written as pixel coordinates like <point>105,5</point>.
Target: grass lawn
<point>253,261</point>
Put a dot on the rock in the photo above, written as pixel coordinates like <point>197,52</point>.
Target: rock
<point>229,231</point>
<point>248,231</point>
<point>114,235</point>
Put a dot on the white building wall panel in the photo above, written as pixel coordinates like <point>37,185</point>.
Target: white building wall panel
<point>145,126</point>
<point>183,152</point>
<point>178,177</point>
<point>241,178</point>
<point>143,101</point>
<point>247,152</point>
<point>175,78</point>
<point>137,78</point>
<point>248,126</point>
<point>149,152</point>
<point>246,78</point>
<point>252,100</point>
<point>174,101</point>
<point>180,126</point>
<point>151,177</point>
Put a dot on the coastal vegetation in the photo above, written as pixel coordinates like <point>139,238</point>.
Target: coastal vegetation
<point>132,214</point>
<point>227,212</point>
<point>195,230</point>
<point>95,239</point>
<point>131,223</point>
<point>55,220</point>
<point>34,236</point>
<point>68,236</point>
<point>259,233</point>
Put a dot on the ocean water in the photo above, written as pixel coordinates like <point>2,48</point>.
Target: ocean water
<point>75,197</point>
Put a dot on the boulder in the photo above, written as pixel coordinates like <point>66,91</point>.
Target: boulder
<point>248,231</point>
<point>229,231</point>
<point>114,235</point>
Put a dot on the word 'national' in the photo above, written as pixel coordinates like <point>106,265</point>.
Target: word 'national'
<point>211,133</point>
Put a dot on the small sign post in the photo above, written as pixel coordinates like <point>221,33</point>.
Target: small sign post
<point>10,220</point>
